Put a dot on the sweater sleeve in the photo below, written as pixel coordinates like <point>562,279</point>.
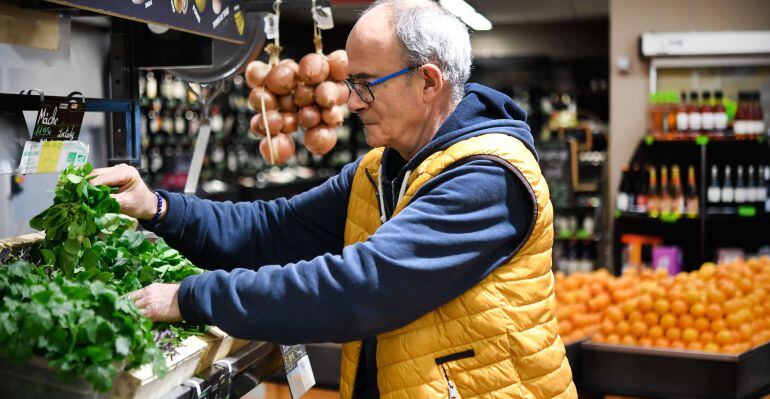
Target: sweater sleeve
<point>462,225</point>
<point>251,234</point>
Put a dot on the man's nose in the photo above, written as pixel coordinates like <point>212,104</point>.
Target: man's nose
<point>355,103</point>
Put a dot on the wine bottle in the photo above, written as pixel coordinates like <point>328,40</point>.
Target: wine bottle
<point>622,200</point>
<point>677,197</point>
<point>653,205</point>
<point>692,193</point>
<point>664,199</point>
<point>728,192</point>
<point>740,186</point>
<point>714,194</point>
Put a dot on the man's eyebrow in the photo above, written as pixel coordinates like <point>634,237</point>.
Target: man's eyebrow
<point>362,76</point>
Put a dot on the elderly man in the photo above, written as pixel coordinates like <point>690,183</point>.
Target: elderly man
<point>429,257</point>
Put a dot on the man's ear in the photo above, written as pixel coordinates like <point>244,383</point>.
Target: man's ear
<point>433,82</point>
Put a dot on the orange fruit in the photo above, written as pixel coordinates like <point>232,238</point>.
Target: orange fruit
<point>598,338</point>
<point>651,318</point>
<point>718,325</point>
<point>691,297</point>
<point>655,332</point>
<point>645,302</point>
<point>711,347</point>
<point>733,320</point>
<point>607,327</point>
<point>615,314</point>
<point>724,337</point>
<point>701,324</point>
<point>706,337</point>
<point>613,339</point>
<point>673,333</point>
<point>746,331</point>
<point>635,316</point>
<point>629,306</point>
<point>698,309</point>
<point>628,340</point>
<point>685,321</point>
<point>679,307</point>
<point>715,296</point>
<point>714,311</point>
<point>661,306</point>
<point>660,343</point>
<point>668,320</point>
<point>638,328</point>
<point>623,328</point>
<point>678,345</point>
<point>689,335</point>
<point>695,346</point>
<point>644,342</point>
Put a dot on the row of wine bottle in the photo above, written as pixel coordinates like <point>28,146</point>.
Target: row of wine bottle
<point>641,192</point>
<point>750,188</point>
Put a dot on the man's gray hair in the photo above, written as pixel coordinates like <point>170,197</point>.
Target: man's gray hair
<point>430,34</point>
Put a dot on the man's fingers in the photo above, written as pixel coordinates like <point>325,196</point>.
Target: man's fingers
<point>115,176</point>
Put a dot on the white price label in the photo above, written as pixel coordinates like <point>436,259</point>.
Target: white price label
<point>271,26</point>
<point>52,156</point>
<point>323,17</point>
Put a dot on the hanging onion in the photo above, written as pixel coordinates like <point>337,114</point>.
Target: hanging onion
<point>304,95</point>
<point>313,69</point>
<point>281,79</point>
<point>327,94</point>
<point>338,65</point>
<point>291,63</point>
<point>257,94</point>
<point>342,93</point>
<point>286,103</point>
<point>289,122</point>
<point>320,139</point>
<point>283,148</point>
<point>274,121</point>
<point>332,116</point>
<point>309,116</point>
<point>256,72</point>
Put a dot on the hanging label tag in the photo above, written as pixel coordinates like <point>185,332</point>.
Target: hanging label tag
<point>298,371</point>
<point>58,121</point>
<point>271,26</point>
<point>323,17</point>
<point>52,156</point>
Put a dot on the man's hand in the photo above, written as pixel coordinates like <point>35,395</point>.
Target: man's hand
<point>135,198</point>
<point>158,302</point>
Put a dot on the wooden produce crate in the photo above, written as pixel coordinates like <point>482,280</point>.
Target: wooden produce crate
<point>218,346</point>
<point>670,373</point>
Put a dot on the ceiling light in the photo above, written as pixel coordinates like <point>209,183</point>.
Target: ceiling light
<point>467,14</point>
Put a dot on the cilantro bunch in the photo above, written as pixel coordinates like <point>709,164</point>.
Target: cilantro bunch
<point>71,307</point>
<point>82,328</point>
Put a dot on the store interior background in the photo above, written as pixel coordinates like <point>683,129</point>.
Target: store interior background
<point>535,50</point>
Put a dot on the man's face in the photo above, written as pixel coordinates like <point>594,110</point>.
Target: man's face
<point>373,52</point>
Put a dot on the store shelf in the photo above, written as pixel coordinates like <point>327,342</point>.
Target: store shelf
<point>668,373</point>
<point>659,220</point>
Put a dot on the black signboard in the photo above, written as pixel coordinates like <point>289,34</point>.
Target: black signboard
<point>58,120</point>
<point>556,158</point>
<point>220,19</point>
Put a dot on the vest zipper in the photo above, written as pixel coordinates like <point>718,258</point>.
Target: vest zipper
<point>453,392</point>
<point>376,192</point>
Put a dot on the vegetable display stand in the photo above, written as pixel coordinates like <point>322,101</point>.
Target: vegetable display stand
<point>668,373</point>
<point>35,380</point>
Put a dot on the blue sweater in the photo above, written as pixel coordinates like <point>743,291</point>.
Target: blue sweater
<point>283,273</point>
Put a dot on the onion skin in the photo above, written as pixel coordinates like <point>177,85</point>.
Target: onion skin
<point>332,116</point>
<point>320,139</point>
<point>283,146</point>
<point>338,65</point>
<point>327,94</point>
<point>290,122</point>
<point>256,72</point>
<point>304,95</point>
<point>274,121</point>
<point>309,116</point>
<point>313,69</point>
<point>281,80</point>
<point>291,63</point>
<point>286,103</point>
<point>271,102</point>
<point>344,92</point>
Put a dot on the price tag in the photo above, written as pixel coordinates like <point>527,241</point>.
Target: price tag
<point>271,26</point>
<point>52,156</point>
<point>323,17</point>
<point>298,371</point>
<point>58,121</point>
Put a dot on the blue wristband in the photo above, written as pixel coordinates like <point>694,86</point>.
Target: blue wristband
<point>160,208</point>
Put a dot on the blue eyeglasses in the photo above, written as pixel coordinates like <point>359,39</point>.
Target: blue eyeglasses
<point>364,89</point>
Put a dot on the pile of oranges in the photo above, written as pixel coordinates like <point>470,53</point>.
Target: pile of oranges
<point>721,308</point>
<point>583,298</point>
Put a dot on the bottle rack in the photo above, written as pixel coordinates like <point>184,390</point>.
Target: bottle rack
<point>698,237</point>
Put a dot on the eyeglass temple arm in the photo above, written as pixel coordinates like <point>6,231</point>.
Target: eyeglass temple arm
<point>391,76</point>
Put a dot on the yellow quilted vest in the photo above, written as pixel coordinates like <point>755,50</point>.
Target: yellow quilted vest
<point>497,340</point>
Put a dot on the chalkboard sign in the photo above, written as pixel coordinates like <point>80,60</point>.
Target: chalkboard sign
<point>557,160</point>
<point>58,120</point>
<point>220,19</point>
